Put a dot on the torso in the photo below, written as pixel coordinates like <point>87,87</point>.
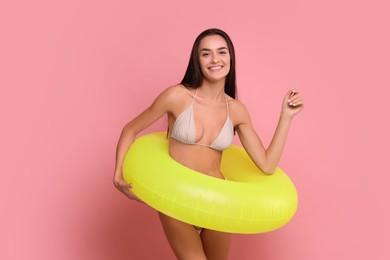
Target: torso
<point>199,158</point>
<point>209,119</point>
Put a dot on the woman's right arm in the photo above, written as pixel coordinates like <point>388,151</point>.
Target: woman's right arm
<point>161,106</point>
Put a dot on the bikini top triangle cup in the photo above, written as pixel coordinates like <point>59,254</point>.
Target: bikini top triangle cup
<point>184,129</point>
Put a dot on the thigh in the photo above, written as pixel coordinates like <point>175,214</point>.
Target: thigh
<point>183,238</point>
<point>215,244</point>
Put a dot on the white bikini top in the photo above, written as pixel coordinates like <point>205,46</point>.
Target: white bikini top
<point>184,129</point>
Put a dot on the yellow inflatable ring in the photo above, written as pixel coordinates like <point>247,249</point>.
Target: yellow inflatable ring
<point>248,202</point>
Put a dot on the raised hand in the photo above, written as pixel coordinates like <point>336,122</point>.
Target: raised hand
<point>292,103</point>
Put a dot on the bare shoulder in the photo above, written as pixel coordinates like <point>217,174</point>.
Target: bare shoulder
<point>175,93</point>
<point>172,97</point>
<point>238,111</point>
<point>237,107</point>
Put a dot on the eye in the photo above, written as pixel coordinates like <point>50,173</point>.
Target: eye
<point>223,52</point>
<point>205,54</point>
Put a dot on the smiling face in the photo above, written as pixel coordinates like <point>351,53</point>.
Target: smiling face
<point>214,58</point>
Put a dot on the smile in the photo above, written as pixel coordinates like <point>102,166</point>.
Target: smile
<point>215,68</point>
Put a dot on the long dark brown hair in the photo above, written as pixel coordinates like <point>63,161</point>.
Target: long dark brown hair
<point>193,77</point>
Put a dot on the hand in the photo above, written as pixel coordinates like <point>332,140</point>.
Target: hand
<point>292,103</point>
<point>125,188</point>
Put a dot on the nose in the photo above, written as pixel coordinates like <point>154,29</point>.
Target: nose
<point>214,59</point>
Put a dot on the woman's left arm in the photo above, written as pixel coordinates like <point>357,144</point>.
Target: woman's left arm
<point>267,159</point>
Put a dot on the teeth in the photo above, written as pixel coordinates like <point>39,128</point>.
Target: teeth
<point>216,68</point>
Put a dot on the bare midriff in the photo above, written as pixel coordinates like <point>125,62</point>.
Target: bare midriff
<point>199,158</point>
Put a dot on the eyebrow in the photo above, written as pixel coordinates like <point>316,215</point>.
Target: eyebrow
<point>220,48</point>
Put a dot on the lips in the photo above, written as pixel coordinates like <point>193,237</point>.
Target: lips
<point>215,68</point>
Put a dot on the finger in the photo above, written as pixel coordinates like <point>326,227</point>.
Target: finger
<point>291,101</point>
<point>126,186</point>
<point>297,104</point>
<point>293,92</point>
<point>295,99</point>
<point>292,96</point>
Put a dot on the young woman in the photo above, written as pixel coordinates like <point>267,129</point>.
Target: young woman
<point>203,115</point>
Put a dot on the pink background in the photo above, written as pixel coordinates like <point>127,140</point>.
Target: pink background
<point>72,73</point>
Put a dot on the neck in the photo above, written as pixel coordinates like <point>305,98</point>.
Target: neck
<point>213,90</point>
